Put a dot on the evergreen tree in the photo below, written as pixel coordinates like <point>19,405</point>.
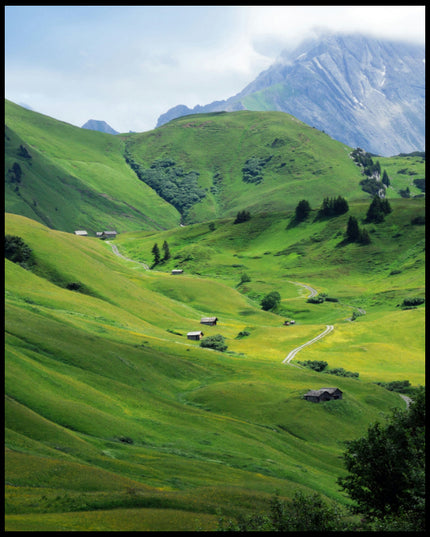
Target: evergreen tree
<point>156,253</point>
<point>352,229</point>
<point>385,179</point>
<point>377,210</point>
<point>364,237</point>
<point>341,205</point>
<point>333,206</point>
<point>166,251</point>
<point>375,213</point>
<point>385,206</point>
<point>302,210</point>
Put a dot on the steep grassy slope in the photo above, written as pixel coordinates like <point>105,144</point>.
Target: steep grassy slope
<point>193,169</point>
<point>112,414</point>
<point>71,178</point>
<point>281,159</point>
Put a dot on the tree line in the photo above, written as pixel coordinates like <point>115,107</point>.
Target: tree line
<point>332,207</point>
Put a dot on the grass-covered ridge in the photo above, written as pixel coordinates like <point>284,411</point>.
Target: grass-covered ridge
<point>250,160</point>
<point>192,169</point>
<point>72,178</point>
<point>110,408</point>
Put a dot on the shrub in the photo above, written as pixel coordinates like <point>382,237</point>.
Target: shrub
<point>400,386</point>
<point>301,513</point>
<point>216,342</point>
<point>17,251</point>
<point>412,302</point>
<point>242,334</point>
<point>418,221</point>
<point>270,300</point>
<point>252,171</point>
<point>244,279</point>
<point>242,216</point>
<point>316,365</point>
<point>316,299</point>
<point>341,372</point>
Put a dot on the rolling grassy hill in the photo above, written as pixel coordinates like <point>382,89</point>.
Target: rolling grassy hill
<point>114,419</point>
<point>260,161</point>
<point>72,178</point>
<point>193,169</point>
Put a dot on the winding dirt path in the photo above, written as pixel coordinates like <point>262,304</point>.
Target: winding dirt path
<point>116,252</point>
<point>313,292</point>
<point>290,356</point>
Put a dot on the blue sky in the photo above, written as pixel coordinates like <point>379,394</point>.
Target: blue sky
<point>127,65</point>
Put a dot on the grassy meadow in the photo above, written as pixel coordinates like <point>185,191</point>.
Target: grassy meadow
<point>115,420</point>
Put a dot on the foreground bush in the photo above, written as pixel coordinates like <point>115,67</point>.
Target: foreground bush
<point>302,513</point>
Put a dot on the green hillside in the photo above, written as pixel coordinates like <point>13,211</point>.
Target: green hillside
<point>114,417</point>
<point>260,161</point>
<point>193,169</point>
<point>115,420</point>
<point>70,178</point>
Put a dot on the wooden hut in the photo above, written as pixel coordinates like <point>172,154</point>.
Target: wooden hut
<point>323,394</point>
<point>196,336</point>
<point>210,321</point>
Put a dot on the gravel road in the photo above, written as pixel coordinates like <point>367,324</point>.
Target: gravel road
<point>116,252</point>
<point>291,355</point>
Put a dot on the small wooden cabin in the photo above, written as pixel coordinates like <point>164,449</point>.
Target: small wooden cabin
<point>106,234</point>
<point>196,336</point>
<point>323,394</point>
<point>177,271</point>
<point>81,232</point>
<point>210,321</point>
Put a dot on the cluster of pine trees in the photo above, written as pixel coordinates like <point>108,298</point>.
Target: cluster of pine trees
<point>331,207</point>
<point>157,254</point>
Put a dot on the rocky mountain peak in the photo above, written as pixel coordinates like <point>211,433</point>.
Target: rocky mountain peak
<point>362,91</point>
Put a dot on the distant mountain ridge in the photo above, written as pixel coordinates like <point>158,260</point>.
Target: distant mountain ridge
<point>100,126</point>
<point>362,91</point>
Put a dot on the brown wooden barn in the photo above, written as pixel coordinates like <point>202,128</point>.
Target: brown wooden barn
<point>323,394</point>
<point>210,321</point>
<point>195,335</point>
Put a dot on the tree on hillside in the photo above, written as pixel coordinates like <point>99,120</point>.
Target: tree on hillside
<point>270,301</point>
<point>377,210</point>
<point>242,216</point>
<point>166,251</point>
<point>352,229</point>
<point>302,210</point>
<point>216,342</point>
<point>17,251</point>
<point>333,207</point>
<point>385,179</point>
<point>364,237</point>
<point>386,475</point>
<point>156,253</point>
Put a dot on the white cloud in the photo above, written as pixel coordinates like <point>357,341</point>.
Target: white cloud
<point>129,65</point>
